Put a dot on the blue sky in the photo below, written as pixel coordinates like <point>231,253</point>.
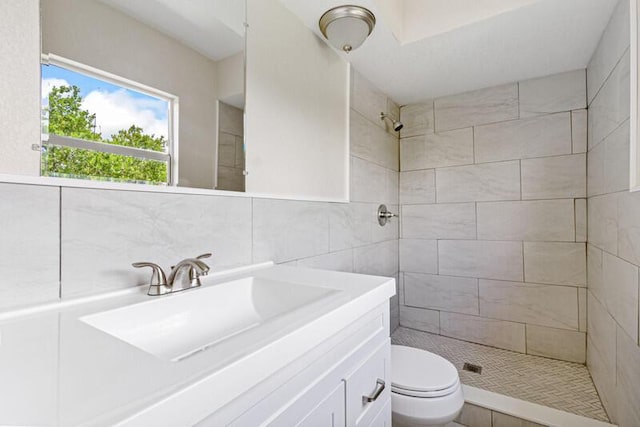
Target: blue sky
<point>115,107</point>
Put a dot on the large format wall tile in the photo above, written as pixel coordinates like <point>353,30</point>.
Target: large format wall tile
<point>104,231</point>
<point>475,258</point>
<point>335,261</point>
<point>442,221</point>
<point>557,343</point>
<point>372,143</point>
<point>620,289</point>
<point>30,244</point>
<point>579,128</point>
<point>616,159</point>
<point>419,256</point>
<point>485,182</point>
<point>595,273</point>
<point>555,263</point>
<point>372,183</point>
<point>541,220</point>
<point>612,45</point>
<point>379,259</point>
<point>366,99</point>
<point>603,221</point>
<point>601,351</point>
<point>456,294</point>
<point>473,108</point>
<point>350,225</point>
<point>417,119</point>
<point>420,319</point>
<point>417,187</point>
<point>436,150</point>
<point>559,92</point>
<point>496,333</point>
<point>611,107</point>
<point>628,380</point>
<point>542,136</point>
<point>595,170</point>
<point>284,230</point>
<point>628,214</point>
<point>544,305</point>
<point>608,163</point>
<point>559,177</point>
<point>581,220</point>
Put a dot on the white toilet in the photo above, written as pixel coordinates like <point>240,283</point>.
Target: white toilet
<point>425,388</point>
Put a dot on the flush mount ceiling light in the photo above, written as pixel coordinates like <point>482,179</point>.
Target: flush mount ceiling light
<point>347,27</point>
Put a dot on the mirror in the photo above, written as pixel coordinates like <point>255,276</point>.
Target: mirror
<point>152,75</point>
<point>152,92</point>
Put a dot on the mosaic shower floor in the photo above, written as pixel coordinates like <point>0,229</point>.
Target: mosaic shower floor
<point>561,385</point>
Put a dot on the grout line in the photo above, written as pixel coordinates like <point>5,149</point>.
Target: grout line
<point>520,170</point>
<point>518,90</point>
<point>573,148</point>
<point>437,257</point>
<point>476,214</point>
<point>473,143</point>
<point>524,279</point>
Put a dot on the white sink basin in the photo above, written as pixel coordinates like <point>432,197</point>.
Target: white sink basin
<point>174,327</point>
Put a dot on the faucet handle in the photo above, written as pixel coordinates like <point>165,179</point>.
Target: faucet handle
<point>207,255</point>
<point>158,277</point>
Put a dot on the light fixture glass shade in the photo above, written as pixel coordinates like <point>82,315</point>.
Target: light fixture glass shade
<point>347,27</point>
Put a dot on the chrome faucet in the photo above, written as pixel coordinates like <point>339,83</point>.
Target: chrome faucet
<point>177,281</point>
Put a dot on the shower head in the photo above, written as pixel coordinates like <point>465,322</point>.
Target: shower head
<point>397,125</point>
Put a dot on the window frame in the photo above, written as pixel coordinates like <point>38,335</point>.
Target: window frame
<point>171,156</point>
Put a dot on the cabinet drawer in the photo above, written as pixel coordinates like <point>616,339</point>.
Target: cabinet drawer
<point>368,388</point>
<point>328,413</point>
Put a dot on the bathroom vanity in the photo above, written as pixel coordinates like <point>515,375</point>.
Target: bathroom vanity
<point>262,345</point>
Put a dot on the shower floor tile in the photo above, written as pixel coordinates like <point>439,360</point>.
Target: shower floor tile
<point>561,385</point>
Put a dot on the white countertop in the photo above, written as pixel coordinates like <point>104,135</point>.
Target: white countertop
<point>56,370</point>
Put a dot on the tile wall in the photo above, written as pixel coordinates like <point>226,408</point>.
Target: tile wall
<point>70,242</point>
<point>493,216</point>
<point>613,354</point>
<point>231,160</point>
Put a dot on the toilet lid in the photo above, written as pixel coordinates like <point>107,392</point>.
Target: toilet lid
<point>415,370</point>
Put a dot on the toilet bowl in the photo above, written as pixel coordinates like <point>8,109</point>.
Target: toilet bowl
<point>425,388</point>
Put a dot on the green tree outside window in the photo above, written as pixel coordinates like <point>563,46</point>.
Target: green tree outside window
<point>67,118</point>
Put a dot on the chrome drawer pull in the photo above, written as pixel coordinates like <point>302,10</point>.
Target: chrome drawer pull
<point>380,385</point>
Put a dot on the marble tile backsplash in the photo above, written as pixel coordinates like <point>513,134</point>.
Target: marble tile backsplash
<point>29,244</point>
<point>493,188</point>
<point>70,242</point>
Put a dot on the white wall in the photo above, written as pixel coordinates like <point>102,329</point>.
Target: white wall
<point>297,108</point>
<point>91,33</point>
<point>230,80</point>
<point>20,87</point>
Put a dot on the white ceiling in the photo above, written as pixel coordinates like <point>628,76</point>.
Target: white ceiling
<point>473,47</point>
<point>420,49</point>
<point>214,28</point>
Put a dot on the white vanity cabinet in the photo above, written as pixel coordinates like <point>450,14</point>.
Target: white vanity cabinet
<point>345,381</point>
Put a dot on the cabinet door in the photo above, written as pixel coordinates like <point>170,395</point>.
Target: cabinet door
<point>368,388</point>
<point>383,419</point>
<point>329,412</point>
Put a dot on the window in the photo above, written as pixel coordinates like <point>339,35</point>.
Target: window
<point>101,127</point>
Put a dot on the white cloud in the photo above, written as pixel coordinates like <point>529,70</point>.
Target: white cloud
<point>119,110</point>
<point>50,83</point>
